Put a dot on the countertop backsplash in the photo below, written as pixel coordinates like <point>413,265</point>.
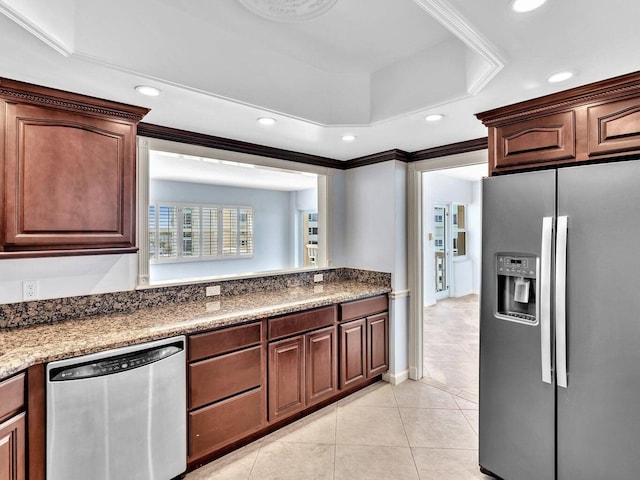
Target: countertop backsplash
<point>59,309</point>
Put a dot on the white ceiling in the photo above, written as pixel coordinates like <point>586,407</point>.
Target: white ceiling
<point>372,68</point>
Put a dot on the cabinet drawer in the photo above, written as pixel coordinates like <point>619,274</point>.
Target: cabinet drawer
<point>214,426</point>
<point>225,340</point>
<point>221,377</point>
<point>11,396</point>
<point>363,308</point>
<point>301,322</point>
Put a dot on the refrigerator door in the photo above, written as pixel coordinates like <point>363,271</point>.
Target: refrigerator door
<point>517,409</point>
<point>598,418</point>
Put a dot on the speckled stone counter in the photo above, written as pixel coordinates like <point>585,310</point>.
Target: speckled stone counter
<point>26,346</point>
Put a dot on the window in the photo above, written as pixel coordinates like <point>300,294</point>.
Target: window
<point>179,233</point>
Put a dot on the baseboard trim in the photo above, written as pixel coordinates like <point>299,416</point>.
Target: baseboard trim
<point>396,378</point>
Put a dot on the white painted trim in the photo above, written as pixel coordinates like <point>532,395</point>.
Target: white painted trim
<point>142,202</point>
<point>35,30</point>
<point>414,246</point>
<point>457,24</point>
<point>396,378</point>
<point>325,197</point>
<point>397,294</point>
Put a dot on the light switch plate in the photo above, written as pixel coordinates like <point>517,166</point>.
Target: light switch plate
<point>318,277</point>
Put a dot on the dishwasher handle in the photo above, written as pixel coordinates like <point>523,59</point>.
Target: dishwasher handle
<point>115,364</point>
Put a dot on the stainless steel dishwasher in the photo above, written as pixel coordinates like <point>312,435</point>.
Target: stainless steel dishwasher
<point>118,415</point>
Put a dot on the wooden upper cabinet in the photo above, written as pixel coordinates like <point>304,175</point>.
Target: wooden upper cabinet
<point>542,139</point>
<point>69,172</point>
<point>614,127</point>
<point>595,122</point>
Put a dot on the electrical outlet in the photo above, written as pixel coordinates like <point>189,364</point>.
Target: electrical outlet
<point>211,291</point>
<point>318,277</point>
<point>29,290</point>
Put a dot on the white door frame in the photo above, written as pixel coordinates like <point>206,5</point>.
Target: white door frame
<point>415,243</point>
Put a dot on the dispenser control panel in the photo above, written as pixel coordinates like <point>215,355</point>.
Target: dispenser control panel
<point>516,266</point>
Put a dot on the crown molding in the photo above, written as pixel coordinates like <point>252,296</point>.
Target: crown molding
<point>203,140</point>
<point>457,24</point>
<point>387,156</point>
<point>450,149</point>
<point>35,29</point>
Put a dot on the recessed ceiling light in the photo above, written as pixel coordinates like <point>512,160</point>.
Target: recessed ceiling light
<point>148,90</point>
<point>434,117</point>
<point>522,6</point>
<point>266,121</point>
<point>559,77</point>
<point>348,138</point>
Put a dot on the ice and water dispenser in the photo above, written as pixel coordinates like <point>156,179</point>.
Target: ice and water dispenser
<point>516,275</point>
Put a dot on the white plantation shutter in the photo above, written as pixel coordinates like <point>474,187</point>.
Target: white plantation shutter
<point>209,232</point>
<point>190,231</point>
<point>199,232</point>
<point>230,231</point>
<point>167,231</point>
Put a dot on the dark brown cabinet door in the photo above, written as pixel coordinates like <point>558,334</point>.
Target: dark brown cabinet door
<point>286,377</point>
<point>68,172</point>
<point>541,140</point>
<point>321,357</point>
<point>70,179</point>
<point>353,353</point>
<point>12,449</point>
<point>614,127</point>
<point>377,344</point>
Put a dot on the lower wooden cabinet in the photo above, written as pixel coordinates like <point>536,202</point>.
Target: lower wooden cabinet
<point>219,424</point>
<point>286,377</point>
<point>12,449</point>
<point>227,388</point>
<point>353,352</point>
<point>303,370</point>
<point>364,342</point>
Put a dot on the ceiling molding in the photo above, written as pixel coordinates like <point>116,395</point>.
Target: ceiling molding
<point>450,149</point>
<point>36,30</point>
<point>387,156</point>
<point>457,24</point>
<point>203,140</point>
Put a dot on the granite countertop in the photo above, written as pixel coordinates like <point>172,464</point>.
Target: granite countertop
<point>22,347</point>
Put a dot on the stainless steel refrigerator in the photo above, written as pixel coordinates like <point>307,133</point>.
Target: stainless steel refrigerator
<point>560,324</point>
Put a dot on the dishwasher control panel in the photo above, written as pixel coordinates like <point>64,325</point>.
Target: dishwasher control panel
<point>115,364</point>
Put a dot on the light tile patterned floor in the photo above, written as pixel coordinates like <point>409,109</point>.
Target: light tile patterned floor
<point>425,430</point>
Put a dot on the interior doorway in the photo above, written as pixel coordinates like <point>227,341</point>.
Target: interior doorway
<point>465,215</point>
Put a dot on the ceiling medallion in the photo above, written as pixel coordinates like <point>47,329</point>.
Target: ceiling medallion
<point>288,10</point>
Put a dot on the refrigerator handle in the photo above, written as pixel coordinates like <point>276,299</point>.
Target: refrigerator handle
<point>561,303</point>
<point>545,298</point>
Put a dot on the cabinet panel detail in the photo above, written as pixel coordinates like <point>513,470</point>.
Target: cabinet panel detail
<point>286,377</point>
<point>537,140</point>
<point>353,352</point>
<point>12,449</point>
<point>362,308</point>
<point>11,396</point>
<point>221,377</point>
<point>212,427</point>
<point>321,364</point>
<point>614,127</point>
<point>217,342</point>
<point>378,344</point>
<point>301,322</point>
<point>69,172</point>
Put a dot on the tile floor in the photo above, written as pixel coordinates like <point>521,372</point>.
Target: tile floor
<point>424,430</point>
